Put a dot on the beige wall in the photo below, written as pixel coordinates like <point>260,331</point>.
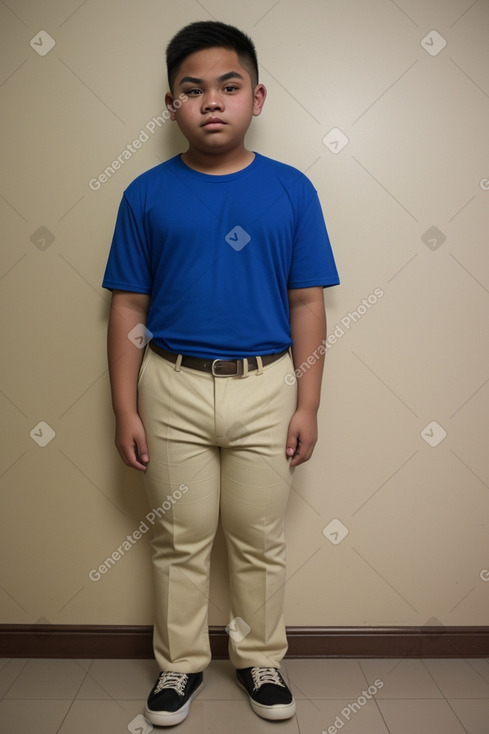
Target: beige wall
<point>416,117</point>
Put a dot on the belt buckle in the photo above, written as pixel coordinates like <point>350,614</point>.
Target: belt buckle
<point>232,374</point>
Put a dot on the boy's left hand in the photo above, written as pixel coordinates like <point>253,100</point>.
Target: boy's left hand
<point>302,436</point>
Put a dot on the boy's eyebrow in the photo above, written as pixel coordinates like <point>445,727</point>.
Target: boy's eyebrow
<point>222,78</point>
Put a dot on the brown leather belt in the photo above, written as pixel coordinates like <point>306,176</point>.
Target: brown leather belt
<point>217,367</point>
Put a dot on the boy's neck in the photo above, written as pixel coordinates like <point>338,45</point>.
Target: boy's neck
<point>218,164</point>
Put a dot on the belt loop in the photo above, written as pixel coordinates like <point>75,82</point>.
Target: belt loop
<point>178,363</point>
<point>259,362</point>
<point>245,367</point>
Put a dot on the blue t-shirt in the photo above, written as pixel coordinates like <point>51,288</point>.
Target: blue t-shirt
<point>217,254</point>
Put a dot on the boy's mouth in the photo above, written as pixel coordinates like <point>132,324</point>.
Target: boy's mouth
<point>213,121</point>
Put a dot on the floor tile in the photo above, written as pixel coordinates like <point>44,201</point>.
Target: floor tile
<point>102,717</point>
<point>205,717</point>
<point>473,713</point>
<point>43,679</point>
<point>220,683</point>
<point>84,663</point>
<point>419,716</point>
<point>41,717</point>
<point>108,697</point>
<point>320,716</point>
<point>9,670</point>
<point>237,717</point>
<point>405,678</point>
<point>325,678</point>
<point>92,690</point>
<point>119,679</point>
<point>480,666</point>
<point>460,678</point>
<point>194,723</point>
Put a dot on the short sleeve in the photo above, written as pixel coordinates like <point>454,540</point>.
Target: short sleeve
<point>129,262</point>
<point>313,262</point>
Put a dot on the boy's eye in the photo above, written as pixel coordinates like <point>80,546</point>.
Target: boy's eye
<point>195,92</point>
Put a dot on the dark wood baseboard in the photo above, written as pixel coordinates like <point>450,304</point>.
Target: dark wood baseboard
<point>96,641</point>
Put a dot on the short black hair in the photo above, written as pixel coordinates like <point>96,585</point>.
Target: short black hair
<point>209,34</point>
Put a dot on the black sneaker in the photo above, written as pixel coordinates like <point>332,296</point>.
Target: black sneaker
<point>269,695</point>
<point>169,701</point>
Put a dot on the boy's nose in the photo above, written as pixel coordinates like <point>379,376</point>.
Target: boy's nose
<point>212,103</point>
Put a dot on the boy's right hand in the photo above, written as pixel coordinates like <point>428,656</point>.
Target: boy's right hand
<point>130,440</point>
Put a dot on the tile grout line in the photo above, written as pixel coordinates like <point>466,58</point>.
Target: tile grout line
<point>14,680</point>
<point>375,697</point>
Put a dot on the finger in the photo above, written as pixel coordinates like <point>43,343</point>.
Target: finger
<point>142,450</point>
<point>303,453</point>
<point>135,463</point>
<point>130,458</point>
<point>139,460</point>
<point>298,458</point>
<point>292,444</point>
<point>295,455</point>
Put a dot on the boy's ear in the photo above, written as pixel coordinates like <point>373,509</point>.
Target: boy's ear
<point>259,96</point>
<point>169,105</point>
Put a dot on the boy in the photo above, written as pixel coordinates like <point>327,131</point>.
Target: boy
<point>224,255</point>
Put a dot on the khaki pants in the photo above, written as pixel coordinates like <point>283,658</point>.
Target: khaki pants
<point>217,448</point>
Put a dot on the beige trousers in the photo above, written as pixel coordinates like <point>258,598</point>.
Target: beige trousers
<point>217,449</point>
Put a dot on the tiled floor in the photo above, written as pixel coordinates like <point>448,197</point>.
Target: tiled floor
<point>348,696</point>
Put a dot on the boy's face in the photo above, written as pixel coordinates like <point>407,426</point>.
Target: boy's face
<point>221,100</point>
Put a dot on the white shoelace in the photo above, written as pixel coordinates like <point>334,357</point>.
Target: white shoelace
<point>170,679</point>
<point>266,675</point>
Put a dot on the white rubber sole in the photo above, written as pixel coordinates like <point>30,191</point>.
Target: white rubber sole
<point>170,718</point>
<point>272,713</point>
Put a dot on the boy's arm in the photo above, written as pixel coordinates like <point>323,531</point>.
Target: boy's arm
<point>126,311</point>
<point>308,329</point>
